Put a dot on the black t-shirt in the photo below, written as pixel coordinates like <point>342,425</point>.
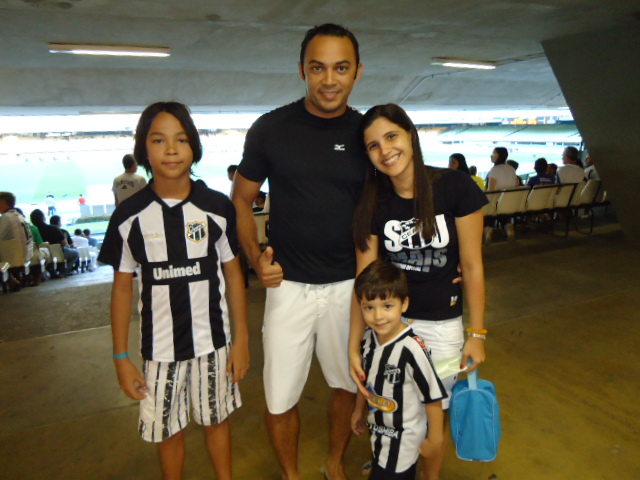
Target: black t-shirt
<point>51,234</point>
<point>430,267</point>
<point>315,168</point>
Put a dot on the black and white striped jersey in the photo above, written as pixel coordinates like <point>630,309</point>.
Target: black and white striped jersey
<point>402,378</point>
<point>180,250</point>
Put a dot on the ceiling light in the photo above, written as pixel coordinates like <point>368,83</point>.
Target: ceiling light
<point>116,50</point>
<point>460,63</point>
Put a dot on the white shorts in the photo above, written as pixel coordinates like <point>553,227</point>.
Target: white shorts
<point>298,316</point>
<point>444,339</point>
<point>174,386</point>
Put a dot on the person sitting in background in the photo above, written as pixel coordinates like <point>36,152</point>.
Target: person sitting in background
<point>473,171</point>
<point>458,162</point>
<point>552,169</point>
<point>127,183</point>
<point>79,240</point>
<point>56,221</point>
<point>92,241</point>
<point>54,235</point>
<point>259,202</point>
<point>13,226</point>
<point>571,171</point>
<point>542,177</point>
<point>501,176</point>
<point>515,166</point>
<point>590,172</point>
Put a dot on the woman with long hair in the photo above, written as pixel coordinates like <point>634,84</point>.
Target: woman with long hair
<point>427,221</point>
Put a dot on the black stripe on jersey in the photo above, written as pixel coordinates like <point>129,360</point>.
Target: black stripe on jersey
<point>378,387</point>
<point>215,298</point>
<point>397,416</point>
<point>169,391</point>
<point>179,295</point>
<point>422,382</point>
<point>136,245</point>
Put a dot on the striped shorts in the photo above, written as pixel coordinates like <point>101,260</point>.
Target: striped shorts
<point>175,386</point>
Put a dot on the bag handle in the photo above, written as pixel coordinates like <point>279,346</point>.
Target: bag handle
<point>472,377</point>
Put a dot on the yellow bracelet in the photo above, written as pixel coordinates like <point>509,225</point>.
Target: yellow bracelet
<point>481,331</point>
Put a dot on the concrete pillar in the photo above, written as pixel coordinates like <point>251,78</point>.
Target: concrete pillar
<point>599,74</point>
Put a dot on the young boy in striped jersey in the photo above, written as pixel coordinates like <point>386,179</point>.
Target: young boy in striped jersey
<point>405,391</point>
<point>182,235</point>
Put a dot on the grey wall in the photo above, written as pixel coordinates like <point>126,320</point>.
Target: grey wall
<point>599,74</point>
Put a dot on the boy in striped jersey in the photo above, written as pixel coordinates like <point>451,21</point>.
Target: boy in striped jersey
<point>183,237</point>
<point>400,379</point>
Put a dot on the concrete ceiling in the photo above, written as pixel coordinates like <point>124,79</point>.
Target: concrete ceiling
<point>241,55</point>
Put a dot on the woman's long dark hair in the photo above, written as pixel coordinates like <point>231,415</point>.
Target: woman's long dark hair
<point>378,187</point>
<point>462,162</point>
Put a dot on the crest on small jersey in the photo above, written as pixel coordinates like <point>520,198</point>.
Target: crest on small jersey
<point>196,231</point>
<point>391,373</point>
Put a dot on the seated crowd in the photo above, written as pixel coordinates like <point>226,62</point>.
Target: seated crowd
<point>36,240</point>
<point>503,176</point>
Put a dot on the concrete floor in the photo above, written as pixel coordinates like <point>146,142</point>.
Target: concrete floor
<point>563,319</point>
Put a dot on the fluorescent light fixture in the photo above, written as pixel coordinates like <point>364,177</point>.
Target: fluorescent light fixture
<point>115,50</point>
<point>460,63</point>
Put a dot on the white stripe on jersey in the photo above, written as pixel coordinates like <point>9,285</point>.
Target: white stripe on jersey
<point>402,371</point>
<point>155,245</point>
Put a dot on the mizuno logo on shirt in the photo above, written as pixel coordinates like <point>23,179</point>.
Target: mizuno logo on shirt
<point>177,272</point>
<point>339,147</point>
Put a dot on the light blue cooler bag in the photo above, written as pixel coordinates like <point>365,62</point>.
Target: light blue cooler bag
<point>475,419</point>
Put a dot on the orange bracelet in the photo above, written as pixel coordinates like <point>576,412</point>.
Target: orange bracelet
<point>481,331</point>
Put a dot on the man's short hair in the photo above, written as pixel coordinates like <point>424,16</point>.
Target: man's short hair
<point>77,231</point>
<point>232,169</point>
<point>329,30</point>
<point>128,161</point>
<point>381,279</point>
<point>55,220</point>
<point>8,197</point>
<point>86,232</point>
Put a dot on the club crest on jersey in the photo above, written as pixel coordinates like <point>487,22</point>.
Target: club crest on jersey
<point>196,231</point>
<point>391,373</point>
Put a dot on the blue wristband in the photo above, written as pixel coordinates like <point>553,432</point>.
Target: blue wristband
<point>117,356</point>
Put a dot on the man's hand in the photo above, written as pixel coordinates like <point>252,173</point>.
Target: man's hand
<point>269,272</point>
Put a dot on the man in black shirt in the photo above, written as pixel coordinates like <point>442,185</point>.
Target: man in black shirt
<point>311,152</point>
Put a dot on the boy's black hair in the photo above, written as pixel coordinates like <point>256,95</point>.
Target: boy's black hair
<point>381,279</point>
<point>182,114</point>
<point>329,30</point>
<point>128,161</point>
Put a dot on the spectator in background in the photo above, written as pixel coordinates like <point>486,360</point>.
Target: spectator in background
<point>458,162</point>
<point>515,166</point>
<point>259,202</point>
<point>92,241</point>
<point>231,172</point>
<point>501,176</point>
<point>552,169</point>
<point>590,172</point>
<point>54,235</point>
<point>542,177</point>
<point>81,200</point>
<point>78,239</point>
<point>571,171</point>
<point>473,171</point>
<point>13,226</point>
<point>50,201</point>
<point>127,183</point>
<point>56,221</point>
